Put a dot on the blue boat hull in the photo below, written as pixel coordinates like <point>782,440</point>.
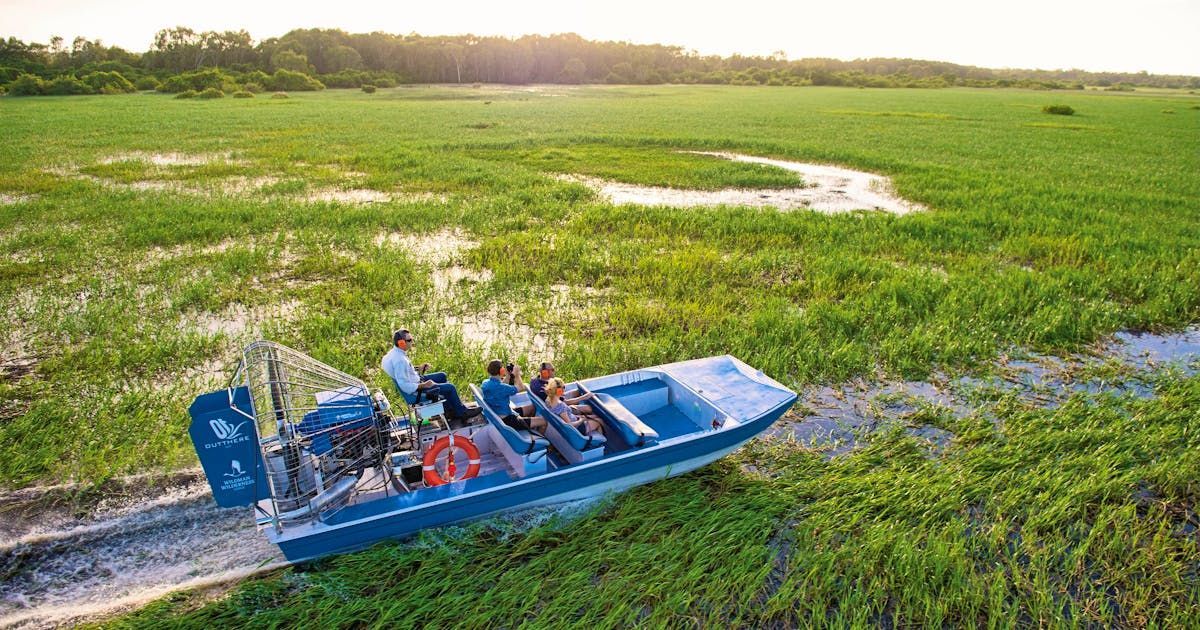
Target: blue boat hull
<point>398,517</point>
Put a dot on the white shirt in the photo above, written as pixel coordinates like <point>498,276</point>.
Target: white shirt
<point>400,368</point>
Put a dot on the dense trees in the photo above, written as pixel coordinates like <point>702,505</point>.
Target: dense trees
<point>339,59</point>
<point>181,49</point>
<point>290,60</point>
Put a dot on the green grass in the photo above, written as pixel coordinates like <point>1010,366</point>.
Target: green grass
<point>1039,236</point>
<point>1035,524</point>
<point>642,165</point>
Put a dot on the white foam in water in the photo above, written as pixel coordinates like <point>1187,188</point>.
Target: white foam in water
<point>127,555</point>
<point>61,569</point>
<point>513,522</point>
<point>60,614</point>
<point>521,521</point>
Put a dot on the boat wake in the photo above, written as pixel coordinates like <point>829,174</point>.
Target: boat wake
<point>67,555</point>
<point>63,557</point>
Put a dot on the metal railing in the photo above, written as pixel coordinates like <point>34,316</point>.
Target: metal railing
<point>321,432</point>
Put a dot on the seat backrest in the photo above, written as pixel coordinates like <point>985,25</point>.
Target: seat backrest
<point>408,398</point>
<point>574,438</point>
<point>522,444</point>
<point>632,429</point>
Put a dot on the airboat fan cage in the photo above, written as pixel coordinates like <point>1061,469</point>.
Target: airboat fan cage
<point>316,426</point>
<point>285,384</point>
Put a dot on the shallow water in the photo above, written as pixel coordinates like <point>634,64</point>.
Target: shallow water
<point>486,330</point>
<point>448,282</point>
<point>830,189</point>
<point>367,195</point>
<point>354,195</point>
<point>834,419</point>
<point>8,199</point>
<point>62,561</point>
<point>1145,350</point>
<point>167,159</point>
<point>431,248</point>
<point>345,192</point>
<point>238,320</point>
<point>453,284</point>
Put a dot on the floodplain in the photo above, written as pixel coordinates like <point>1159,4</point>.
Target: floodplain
<point>145,239</point>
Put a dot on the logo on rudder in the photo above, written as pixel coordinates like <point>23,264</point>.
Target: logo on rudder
<point>237,469</point>
<point>224,430</point>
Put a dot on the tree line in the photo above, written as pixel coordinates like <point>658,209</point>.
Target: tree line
<point>181,59</point>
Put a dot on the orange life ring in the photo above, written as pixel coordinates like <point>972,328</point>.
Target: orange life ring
<point>429,464</point>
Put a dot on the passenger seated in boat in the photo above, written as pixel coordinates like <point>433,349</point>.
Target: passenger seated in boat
<point>497,394</point>
<point>537,385</point>
<point>586,422</point>
<point>415,388</point>
<point>510,374</point>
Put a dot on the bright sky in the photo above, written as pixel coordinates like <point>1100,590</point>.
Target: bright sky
<point>1159,36</point>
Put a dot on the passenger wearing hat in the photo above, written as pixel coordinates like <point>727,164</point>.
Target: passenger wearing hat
<point>413,387</point>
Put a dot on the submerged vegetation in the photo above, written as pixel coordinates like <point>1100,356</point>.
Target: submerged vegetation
<point>137,262</point>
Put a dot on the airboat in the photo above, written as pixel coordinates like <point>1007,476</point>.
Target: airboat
<point>330,466</point>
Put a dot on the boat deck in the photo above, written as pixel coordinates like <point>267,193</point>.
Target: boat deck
<point>669,422</point>
<point>649,399</point>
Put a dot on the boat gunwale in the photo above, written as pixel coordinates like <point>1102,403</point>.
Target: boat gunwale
<point>317,527</point>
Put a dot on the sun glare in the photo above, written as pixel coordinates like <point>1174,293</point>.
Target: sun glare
<point>1158,36</point>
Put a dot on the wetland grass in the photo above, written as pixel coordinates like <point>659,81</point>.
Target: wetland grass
<point>124,298</point>
<point>1082,515</point>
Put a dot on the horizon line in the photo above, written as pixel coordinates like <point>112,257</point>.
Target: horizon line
<point>685,50</point>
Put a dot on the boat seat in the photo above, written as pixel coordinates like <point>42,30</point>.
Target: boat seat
<point>573,436</point>
<point>411,399</point>
<point>419,407</point>
<point>632,429</point>
<point>521,442</point>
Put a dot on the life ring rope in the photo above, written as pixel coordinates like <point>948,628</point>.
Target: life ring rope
<point>434,477</point>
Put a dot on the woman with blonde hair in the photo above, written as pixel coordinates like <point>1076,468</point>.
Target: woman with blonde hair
<point>587,423</point>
